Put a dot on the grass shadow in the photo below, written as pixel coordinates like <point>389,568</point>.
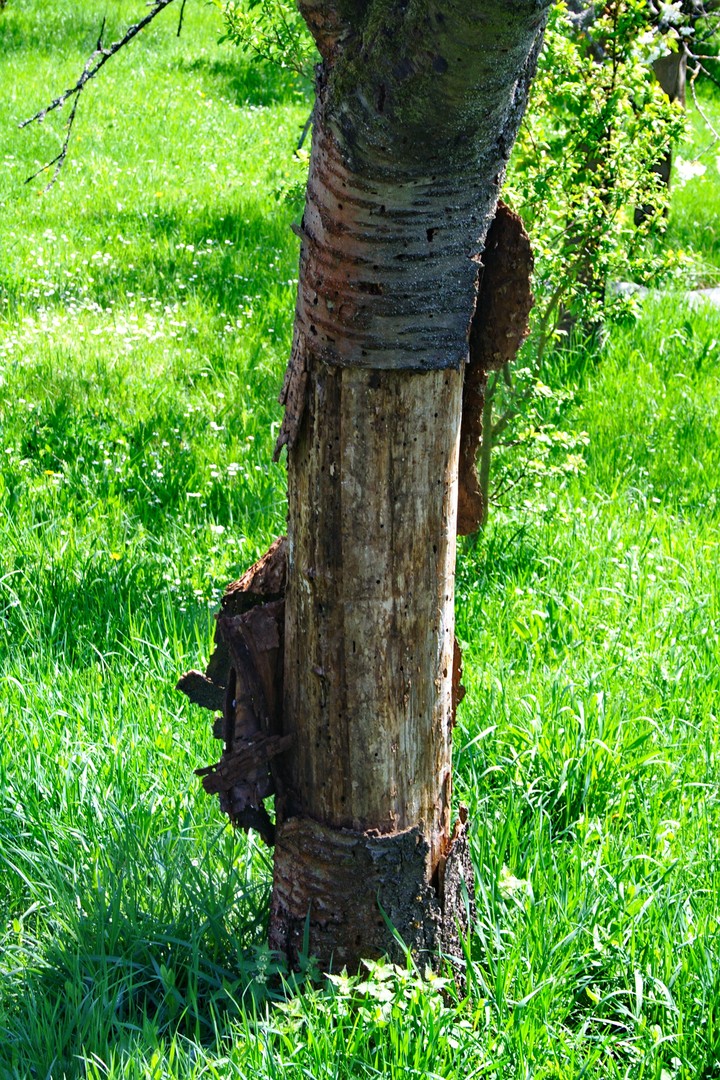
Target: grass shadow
<point>62,30</point>
<point>164,933</point>
<point>232,76</point>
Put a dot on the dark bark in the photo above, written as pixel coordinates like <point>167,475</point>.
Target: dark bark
<point>360,887</point>
<point>671,73</point>
<point>499,327</point>
<point>244,679</point>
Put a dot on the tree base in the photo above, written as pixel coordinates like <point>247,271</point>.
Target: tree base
<point>346,896</point>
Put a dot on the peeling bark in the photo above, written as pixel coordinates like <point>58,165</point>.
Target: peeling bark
<point>249,690</point>
<point>417,107</point>
<point>458,690</point>
<point>252,725</point>
<point>201,690</point>
<point>244,678</point>
<point>499,327</point>
<point>263,582</point>
<point>292,396</point>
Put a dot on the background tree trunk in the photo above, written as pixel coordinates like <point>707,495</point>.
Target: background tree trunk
<point>417,108</point>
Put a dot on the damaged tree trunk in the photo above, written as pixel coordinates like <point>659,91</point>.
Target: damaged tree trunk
<point>417,107</point>
<point>416,111</point>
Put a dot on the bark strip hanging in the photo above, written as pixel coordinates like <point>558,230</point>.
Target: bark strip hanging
<point>499,327</point>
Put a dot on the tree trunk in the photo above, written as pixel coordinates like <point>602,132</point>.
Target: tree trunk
<point>417,108</point>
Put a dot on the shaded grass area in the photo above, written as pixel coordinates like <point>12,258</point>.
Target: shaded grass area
<point>145,315</point>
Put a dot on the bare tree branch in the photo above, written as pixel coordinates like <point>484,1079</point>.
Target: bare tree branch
<point>706,119</point>
<point>94,63</point>
<point>710,76</point>
<point>182,16</point>
<point>59,160</point>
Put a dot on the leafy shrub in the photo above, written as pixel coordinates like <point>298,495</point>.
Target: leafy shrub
<point>597,122</point>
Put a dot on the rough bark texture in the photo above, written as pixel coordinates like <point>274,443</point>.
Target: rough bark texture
<point>360,887</point>
<point>499,327</point>
<point>417,107</point>
<point>244,679</point>
<point>416,110</point>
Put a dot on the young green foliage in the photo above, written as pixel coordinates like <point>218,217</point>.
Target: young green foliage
<point>270,30</point>
<point>597,123</point>
<point>583,164</point>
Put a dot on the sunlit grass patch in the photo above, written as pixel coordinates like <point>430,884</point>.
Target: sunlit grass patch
<point>146,305</point>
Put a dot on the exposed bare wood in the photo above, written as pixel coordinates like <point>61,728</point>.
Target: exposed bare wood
<point>368,667</point>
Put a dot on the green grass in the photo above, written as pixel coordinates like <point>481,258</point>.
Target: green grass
<point>694,226</point>
<point>145,315</point>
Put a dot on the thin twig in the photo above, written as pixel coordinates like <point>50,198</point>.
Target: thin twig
<point>97,60</point>
<point>91,70</point>
<point>708,73</point>
<point>59,160</point>
<point>512,410</point>
<point>697,104</point>
<point>182,15</point>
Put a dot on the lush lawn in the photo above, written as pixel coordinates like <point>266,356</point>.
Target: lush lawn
<point>145,312</point>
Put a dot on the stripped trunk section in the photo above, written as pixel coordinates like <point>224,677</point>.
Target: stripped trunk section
<point>417,107</point>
